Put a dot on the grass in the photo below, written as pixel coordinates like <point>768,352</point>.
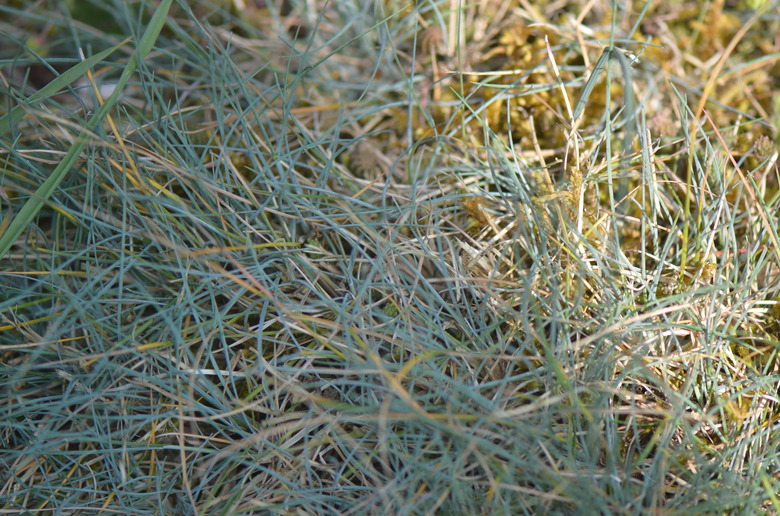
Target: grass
<point>292,257</point>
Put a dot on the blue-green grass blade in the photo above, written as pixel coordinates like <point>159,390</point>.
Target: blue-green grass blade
<point>592,80</point>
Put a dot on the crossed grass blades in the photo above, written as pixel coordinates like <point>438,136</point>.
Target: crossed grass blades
<point>389,257</point>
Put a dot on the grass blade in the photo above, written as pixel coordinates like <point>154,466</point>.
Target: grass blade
<point>42,194</point>
<point>66,78</point>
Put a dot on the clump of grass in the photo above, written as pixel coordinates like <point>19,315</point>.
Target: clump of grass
<point>389,258</point>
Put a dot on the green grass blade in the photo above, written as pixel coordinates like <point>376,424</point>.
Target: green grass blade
<point>69,77</point>
<point>36,202</point>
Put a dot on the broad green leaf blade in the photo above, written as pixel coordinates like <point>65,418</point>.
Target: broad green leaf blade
<point>65,79</point>
<point>42,194</point>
